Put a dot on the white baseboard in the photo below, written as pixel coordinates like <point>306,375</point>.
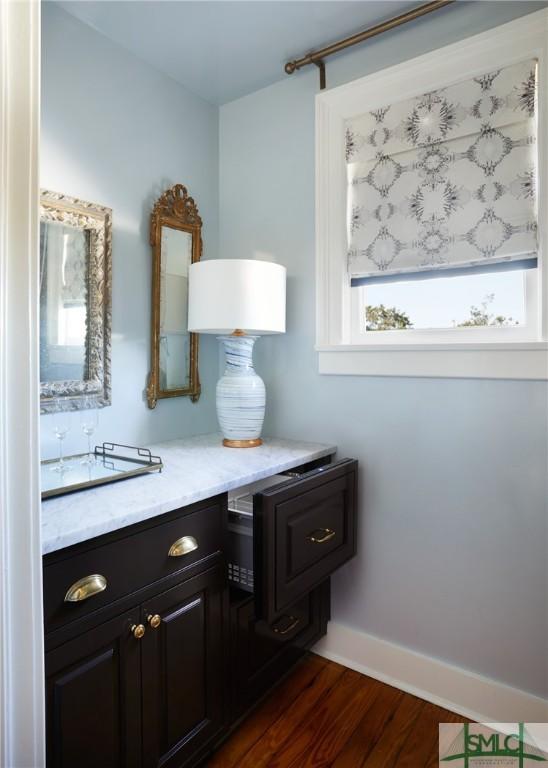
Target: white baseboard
<point>458,690</point>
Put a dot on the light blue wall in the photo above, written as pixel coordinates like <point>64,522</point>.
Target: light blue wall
<point>453,518</point>
<point>117,132</point>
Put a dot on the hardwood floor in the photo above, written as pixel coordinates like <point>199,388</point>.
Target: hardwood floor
<point>327,715</point>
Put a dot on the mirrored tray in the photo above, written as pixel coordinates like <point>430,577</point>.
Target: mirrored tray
<point>112,462</point>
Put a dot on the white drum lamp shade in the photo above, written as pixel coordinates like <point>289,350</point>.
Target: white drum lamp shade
<point>243,298</point>
<point>226,294</point>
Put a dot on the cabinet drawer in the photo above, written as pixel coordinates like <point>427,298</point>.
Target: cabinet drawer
<point>263,652</point>
<point>304,530</point>
<point>131,563</point>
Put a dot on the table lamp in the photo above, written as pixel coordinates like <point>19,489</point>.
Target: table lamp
<point>238,299</point>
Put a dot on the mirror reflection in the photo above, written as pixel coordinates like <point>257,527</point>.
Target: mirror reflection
<point>64,253</point>
<point>175,259</point>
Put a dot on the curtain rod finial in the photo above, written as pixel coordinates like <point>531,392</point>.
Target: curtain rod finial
<point>290,67</point>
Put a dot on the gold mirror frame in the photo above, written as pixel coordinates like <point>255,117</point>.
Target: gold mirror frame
<point>177,210</point>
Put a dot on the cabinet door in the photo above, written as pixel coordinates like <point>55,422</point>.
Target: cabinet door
<point>184,674</point>
<point>93,699</point>
<point>303,530</point>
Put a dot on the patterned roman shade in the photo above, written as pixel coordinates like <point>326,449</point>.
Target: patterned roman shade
<point>445,181</point>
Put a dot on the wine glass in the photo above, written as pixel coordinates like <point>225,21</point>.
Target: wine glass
<point>89,419</point>
<point>61,427</point>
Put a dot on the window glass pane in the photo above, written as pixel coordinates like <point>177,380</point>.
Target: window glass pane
<point>460,301</point>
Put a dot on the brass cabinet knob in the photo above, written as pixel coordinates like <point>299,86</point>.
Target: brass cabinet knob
<point>183,546</point>
<point>155,620</point>
<point>86,587</point>
<point>138,631</point>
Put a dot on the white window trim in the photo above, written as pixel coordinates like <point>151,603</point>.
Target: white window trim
<point>514,353</point>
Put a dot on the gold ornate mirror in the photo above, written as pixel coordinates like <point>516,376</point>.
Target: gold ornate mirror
<point>176,239</point>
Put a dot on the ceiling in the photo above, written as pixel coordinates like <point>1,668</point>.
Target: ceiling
<point>222,50</point>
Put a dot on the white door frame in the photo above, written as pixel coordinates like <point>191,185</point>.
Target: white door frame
<point>21,643</point>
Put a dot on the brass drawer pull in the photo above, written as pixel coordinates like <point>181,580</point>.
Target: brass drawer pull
<point>183,546</point>
<point>85,588</point>
<point>155,620</point>
<point>293,623</point>
<point>138,631</point>
<point>317,538</point>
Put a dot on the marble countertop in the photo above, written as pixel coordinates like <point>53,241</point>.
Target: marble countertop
<point>195,468</point>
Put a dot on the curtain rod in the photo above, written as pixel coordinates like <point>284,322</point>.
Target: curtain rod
<point>317,57</point>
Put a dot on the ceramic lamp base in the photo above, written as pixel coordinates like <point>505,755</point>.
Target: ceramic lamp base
<point>241,395</point>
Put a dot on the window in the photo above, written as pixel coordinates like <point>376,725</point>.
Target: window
<point>427,215</point>
<point>470,307</point>
<point>474,301</point>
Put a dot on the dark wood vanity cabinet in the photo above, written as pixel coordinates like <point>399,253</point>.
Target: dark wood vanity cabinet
<point>115,698</point>
<point>141,687</point>
<point>155,668</point>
